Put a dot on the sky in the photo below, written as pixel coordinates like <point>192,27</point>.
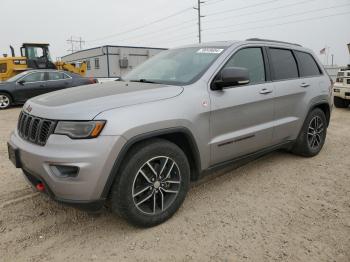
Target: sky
<point>315,24</point>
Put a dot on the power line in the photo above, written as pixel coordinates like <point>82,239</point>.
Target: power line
<point>264,10</point>
<point>279,17</point>
<point>143,26</point>
<point>72,43</point>
<point>160,30</point>
<point>243,7</point>
<point>286,23</point>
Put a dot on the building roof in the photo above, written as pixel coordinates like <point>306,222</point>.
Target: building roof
<point>118,46</point>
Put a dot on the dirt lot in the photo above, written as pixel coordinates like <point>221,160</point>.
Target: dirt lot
<point>278,208</point>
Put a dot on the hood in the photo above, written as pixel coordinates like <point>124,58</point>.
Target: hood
<point>85,102</point>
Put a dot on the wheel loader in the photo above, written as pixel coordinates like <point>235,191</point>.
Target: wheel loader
<point>34,56</point>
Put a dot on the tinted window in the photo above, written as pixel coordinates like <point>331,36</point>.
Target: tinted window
<point>307,64</point>
<point>283,63</point>
<point>56,75</point>
<point>251,59</point>
<point>65,76</point>
<point>35,77</point>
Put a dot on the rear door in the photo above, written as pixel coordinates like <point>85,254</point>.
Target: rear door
<point>31,85</point>
<point>241,119</point>
<point>58,80</point>
<point>293,87</point>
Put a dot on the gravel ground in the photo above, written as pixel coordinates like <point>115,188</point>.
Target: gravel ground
<point>278,208</point>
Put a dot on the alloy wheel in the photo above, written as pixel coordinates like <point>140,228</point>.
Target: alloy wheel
<point>4,101</point>
<point>315,132</point>
<point>156,185</point>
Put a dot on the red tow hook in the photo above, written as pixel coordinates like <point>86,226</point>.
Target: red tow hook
<point>40,187</point>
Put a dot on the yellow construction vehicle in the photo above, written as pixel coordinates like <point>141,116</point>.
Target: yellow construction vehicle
<point>34,56</point>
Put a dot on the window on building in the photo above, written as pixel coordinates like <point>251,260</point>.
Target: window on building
<point>307,64</point>
<point>283,63</point>
<point>97,63</point>
<point>88,65</point>
<point>251,59</point>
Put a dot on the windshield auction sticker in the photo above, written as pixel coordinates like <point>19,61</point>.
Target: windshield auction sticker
<point>210,50</point>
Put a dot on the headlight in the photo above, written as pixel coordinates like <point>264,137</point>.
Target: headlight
<point>78,130</point>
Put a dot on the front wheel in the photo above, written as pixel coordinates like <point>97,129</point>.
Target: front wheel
<point>312,135</point>
<point>152,183</point>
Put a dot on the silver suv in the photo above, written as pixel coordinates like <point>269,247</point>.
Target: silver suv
<point>139,142</point>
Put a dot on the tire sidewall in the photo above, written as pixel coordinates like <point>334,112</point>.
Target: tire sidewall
<point>125,200</point>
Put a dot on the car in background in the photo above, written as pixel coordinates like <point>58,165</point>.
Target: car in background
<point>28,84</point>
<point>341,88</point>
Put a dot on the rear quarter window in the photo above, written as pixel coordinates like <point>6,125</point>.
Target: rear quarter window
<point>307,64</point>
<point>283,64</point>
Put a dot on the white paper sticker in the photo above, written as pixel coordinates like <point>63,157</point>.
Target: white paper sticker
<point>209,50</point>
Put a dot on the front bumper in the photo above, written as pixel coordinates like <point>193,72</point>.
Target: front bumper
<point>342,92</point>
<point>94,159</point>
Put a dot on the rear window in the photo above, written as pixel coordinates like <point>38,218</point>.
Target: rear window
<point>283,63</point>
<point>307,64</point>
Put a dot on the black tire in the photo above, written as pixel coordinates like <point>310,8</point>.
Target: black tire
<point>340,102</point>
<point>5,101</point>
<point>158,208</point>
<point>311,138</point>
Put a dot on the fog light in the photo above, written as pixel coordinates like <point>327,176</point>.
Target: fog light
<point>64,171</point>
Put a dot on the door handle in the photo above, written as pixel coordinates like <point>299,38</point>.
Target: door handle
<point>42,86</point>
<point>304,85</point>
<point>265,91</point>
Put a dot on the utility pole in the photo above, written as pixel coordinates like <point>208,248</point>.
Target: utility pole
<point>198,8</point>
<point>72,41</point>
<point>332,59</point>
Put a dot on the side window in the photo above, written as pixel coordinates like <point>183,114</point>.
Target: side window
<point>252,59</point>
<point>283,64</point>
<point>35,77</point>
<point>56,76</point>
<point>97,63</point>
<point>307,64</point>
<point>65,76</point>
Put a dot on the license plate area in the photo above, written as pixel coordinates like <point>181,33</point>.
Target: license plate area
<point>14,155</point>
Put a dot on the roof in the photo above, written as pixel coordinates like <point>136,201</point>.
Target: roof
<point>118,46</point>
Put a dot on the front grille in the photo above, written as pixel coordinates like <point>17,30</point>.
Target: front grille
<point>35,129</point>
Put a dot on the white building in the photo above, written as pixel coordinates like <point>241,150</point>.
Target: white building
<point>111,61</point>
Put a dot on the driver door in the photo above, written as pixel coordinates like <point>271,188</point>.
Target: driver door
<point>31,85</point>
<point>241,120</point>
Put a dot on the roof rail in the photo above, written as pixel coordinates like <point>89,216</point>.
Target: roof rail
<point>274,41</point>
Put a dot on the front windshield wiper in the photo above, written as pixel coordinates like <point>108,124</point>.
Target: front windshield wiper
<point>143,80</point>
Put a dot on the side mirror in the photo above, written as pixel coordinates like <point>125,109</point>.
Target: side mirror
<point>231,76</point>
<point>21,82</point>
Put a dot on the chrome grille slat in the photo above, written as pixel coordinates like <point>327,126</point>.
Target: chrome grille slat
<point>35,129</point>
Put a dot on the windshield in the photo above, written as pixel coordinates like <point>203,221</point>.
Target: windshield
<point>177,66</point>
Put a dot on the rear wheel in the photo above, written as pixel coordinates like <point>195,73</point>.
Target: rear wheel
<point>5,100</point>
<point>312,135</point>
<point>152,184</point>
<point>340,102</point>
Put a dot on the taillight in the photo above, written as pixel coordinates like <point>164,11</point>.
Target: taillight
<point>92,80</point>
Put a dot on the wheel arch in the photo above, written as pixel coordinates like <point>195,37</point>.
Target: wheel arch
<point>180,136</point>
<point>325,107</point>
<point>8,93</point>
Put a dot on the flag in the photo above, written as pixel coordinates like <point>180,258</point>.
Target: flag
<point>323,51</point>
